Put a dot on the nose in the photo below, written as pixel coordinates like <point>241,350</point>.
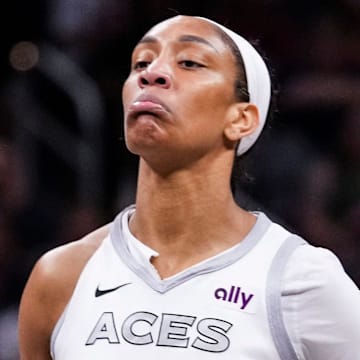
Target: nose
<point>152,77</point>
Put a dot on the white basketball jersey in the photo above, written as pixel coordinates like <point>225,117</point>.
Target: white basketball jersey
<point>217,309</point>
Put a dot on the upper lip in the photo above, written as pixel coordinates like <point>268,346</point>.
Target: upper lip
<point>154,105</point>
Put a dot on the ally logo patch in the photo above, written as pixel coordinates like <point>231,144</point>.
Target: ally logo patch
<point>235,295</point>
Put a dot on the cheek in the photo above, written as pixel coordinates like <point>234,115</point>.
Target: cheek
<point>207,111</point>
<point>127,91</point>
<point>211,101</point>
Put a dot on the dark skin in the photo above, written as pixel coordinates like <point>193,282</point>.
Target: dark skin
<point>48,290</point>
<point>186,138</point>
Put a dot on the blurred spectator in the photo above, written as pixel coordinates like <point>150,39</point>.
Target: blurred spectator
<point>8,334</point>
<point>12,199</point>
<point>315,185</point>
<point>331,196</point>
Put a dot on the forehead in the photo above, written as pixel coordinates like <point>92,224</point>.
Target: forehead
<point>181,28</point>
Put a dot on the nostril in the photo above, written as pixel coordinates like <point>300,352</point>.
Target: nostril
<point>150,78</point>
<point>143,81</point>
<point>161,81</point>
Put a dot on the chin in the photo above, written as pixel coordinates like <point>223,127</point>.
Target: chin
<point>140,146</point>
<point>142,138</point>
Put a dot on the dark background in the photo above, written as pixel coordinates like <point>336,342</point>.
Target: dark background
<point>64,168</point>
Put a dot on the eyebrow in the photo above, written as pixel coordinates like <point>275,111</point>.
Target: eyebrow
<point>182,38</point>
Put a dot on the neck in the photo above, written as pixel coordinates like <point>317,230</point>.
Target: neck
<point>188,214</point>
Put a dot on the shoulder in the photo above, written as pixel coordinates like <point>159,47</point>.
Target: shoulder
<point>70,258</point>
<point>311,267</point>
<point>55,274</point>
<point>321,305</point>
<point>51,284</point>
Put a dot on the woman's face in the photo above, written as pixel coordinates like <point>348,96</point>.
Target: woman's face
<point>178,96</point>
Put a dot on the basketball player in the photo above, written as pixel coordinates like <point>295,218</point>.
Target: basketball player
<point>186,273</point>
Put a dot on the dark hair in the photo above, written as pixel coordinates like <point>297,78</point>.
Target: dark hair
<point>240,85</point>
<point>240,175</point>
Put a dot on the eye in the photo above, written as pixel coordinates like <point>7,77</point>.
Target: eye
<point>139,65</point>
<point>190,64</point>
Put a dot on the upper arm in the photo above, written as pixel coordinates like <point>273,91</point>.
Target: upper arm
<point>321,306</point>
<point>48,291</point>
<point>35,315</point>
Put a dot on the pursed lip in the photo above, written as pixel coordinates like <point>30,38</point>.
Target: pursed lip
<point>147,104</point>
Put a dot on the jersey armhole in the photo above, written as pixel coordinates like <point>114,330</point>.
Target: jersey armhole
<point>56,331</point>
<point>273,298</point>
<point>58,325</point>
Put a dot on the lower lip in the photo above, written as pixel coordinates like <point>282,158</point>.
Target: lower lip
<point>140,106</point>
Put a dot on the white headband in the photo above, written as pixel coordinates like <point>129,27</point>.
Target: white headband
<point>258,82</point>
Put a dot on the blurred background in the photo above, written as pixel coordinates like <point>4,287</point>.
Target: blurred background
<point>64,168</point>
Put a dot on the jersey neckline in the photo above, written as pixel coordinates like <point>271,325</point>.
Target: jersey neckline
<point>136,255</point>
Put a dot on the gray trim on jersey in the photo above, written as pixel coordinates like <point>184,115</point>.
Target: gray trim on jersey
<point>151,277</point>
<point>56,331</point>
<point>273,298</point>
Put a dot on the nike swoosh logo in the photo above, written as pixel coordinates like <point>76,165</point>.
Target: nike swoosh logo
<point>99,292</point>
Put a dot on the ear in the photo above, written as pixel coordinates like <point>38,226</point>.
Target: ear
<point>242,120</point>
